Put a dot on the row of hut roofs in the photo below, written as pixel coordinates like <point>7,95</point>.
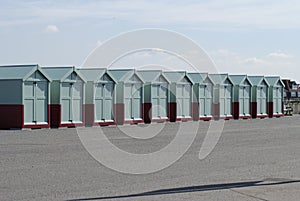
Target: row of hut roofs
<point>42,97</point>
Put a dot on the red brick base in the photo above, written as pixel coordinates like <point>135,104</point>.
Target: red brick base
<point>270,109</point>
<point>253,110</point>
<point>11,116</point>
<point>147,114</point>
<point>172,111</point>
<point>235,110</point>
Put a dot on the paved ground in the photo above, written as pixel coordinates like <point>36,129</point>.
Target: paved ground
<point>254,160</point>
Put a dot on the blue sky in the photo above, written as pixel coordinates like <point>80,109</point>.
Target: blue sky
<point>245,37</point>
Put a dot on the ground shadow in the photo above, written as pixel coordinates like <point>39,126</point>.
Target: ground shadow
<point>188,189</point>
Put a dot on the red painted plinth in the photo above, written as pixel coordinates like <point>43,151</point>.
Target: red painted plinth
<point>270,109</point>
<point>205,118</point>
<point>278,115</point>
<point>253,110</point>
<point>89,114</point>
<point>11,116</point>
<point>172,111</point>
<point>195,111</point>
<point>55,115</point>
<point>147,114</point>
<point>235,110</point>
<point>119,113</point>
<point>216,111</point>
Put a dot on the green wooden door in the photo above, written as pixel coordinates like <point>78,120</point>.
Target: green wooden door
<point>244,100</point>
<point>205,100</point>
<point>225,99</point>
<point>183,99</point>
<point>71,102</point>
<point>104,101</point>
<point>133,101</point>
<point>35,102</point>
<point>277,99</point>
<point>159,95</point>
<point>261,99</point>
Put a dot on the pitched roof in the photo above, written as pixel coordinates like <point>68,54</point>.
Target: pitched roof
<point>219,78</point>
<point>94,74</point>
<point>239,79</point>
<point>196,77</point>
<point>273,80</point>
<point>20,72</point>
<point>257,80</point>
<point>177,76</point>
<point>123,75</point>
<point>61,72</point>
<point>152,75</point>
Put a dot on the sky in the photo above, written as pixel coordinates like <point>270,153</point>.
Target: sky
<point>241,37</point>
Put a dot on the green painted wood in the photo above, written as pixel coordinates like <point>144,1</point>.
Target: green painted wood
<point>205,99</point>
<point>120,92</point>
<point>90,92</point>
<point>147,92</point>
<point>11,92</point>
<point>159,98</point>
<point>55,92</point>
<point>172,93</point>
<point>104,103</point>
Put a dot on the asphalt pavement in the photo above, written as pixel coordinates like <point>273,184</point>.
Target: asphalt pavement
<point>255,159</point>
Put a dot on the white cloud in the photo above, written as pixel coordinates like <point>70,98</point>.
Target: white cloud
<point>51,29</point>
<point>280,55</point>
<point>274,63</point>
<point>254,61</point>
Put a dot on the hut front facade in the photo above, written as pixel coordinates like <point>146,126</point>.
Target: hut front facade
<point>67,102</point>
<point>275,98</point>
<point>156,96</point>
<point>241,96</point>
<point>223,92</point>
<point>259,98</point>
<point>129,96</point>
<point>99,97</point>
<point>180,103</point>
<point>24,100</point>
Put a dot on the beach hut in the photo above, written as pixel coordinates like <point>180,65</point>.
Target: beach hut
<point>241,96</point>
<point>67,102</point>
<point>156,96</point>
<point>259,96</point>
<point>206,97</point>
<point>180,103</point>
<point>24,97</point>
<point>99,97</point>
<point>129,96</point>
<point>275,103</point>
<point>223,96</point>
<point>202,98</point>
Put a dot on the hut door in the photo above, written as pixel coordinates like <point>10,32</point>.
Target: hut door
<point>277,98</point>
<point>261,100</point>
<point>159,100</point>
<point>133,101</point>
<point>183,98</point>
<point>71,102</point>
<point>104,101</point>
<point>66,91</point>
<point>205,95</point>
<point>35,102</point>
<point>225,100</point>
<point>244,100</point>
<point>76,101</point>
